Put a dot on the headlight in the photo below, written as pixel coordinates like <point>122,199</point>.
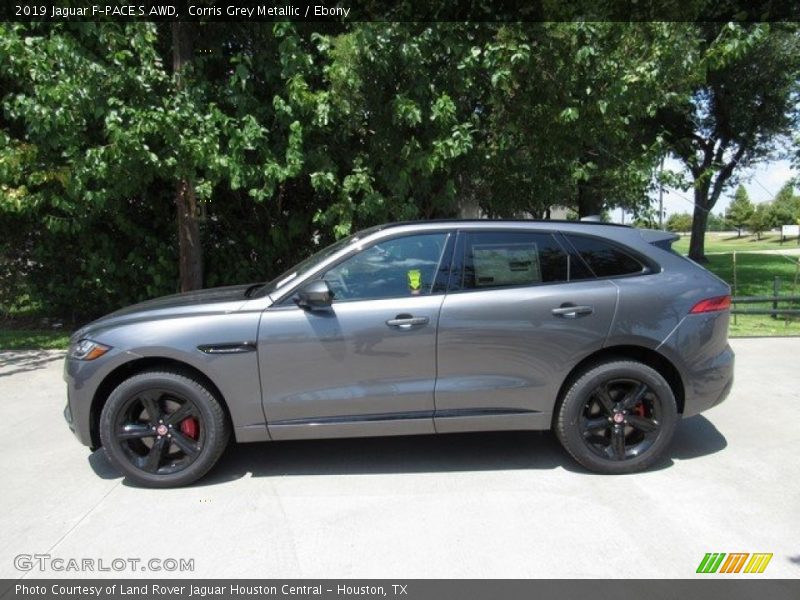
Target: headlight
<point>87,350</point>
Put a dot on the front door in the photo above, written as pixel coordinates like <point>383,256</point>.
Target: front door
<point>367,364</point>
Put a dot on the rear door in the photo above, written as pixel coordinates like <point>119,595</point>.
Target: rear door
<point>521,313</point>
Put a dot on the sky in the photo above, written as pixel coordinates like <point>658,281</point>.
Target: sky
<point>761,182</point>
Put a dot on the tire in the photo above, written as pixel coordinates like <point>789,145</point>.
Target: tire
<point>617,417</point>
<point>176,447</point>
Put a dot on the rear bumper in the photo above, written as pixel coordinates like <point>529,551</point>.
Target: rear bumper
<point>709,385</point>
<point>699,348</point>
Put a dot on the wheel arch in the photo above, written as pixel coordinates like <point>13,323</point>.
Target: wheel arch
<point>647,356</point>
<point>139,365</point>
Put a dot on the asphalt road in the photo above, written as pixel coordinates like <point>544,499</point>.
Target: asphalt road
<point>478,505</point>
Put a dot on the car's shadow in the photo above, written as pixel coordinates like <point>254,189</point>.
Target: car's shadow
<point>695,437</point>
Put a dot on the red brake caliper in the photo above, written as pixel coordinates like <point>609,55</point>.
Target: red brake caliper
<point>190,427</point>
<point>639,409</point>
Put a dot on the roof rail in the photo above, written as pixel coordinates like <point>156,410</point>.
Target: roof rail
<point>583,221</point>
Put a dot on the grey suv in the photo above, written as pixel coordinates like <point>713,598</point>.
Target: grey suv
<point>599,332</point>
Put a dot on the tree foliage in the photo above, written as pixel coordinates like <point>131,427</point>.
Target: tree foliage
<point>743,100</point>
<point>275,139</point>
<point>679,222</point>
<point>785,207</point>
<point>739,210</point>
<point>759,220</point>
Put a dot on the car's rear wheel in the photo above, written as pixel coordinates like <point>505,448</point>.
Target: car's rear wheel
<point>163,429</point>
<point>617,417</point>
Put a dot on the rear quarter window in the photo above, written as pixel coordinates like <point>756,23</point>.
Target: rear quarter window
<point>604,258</point>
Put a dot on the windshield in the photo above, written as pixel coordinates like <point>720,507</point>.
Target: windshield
<point>310,263</point>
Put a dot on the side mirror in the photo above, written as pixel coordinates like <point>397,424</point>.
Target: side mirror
<point>314,295</point>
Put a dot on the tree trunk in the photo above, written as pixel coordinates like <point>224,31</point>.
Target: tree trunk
<point>697,243</point>
<point>467,205</point>
<point>190,251</point>
<point>590,202</point>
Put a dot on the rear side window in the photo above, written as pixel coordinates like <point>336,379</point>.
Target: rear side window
<point>603,258</point>
<point>501,259</point>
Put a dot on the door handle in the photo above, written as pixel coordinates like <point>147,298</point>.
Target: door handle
<point>570,311</point>
<point>407,321</point>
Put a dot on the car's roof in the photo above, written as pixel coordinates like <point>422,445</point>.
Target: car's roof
<point>494,222</point>
<point>597,228</point>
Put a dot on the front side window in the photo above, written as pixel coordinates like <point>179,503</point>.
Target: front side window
<point>396,268</point>
<point>502,258</point>
<point>310,263</point>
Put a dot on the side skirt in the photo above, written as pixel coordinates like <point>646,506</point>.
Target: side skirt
<point>412,423</point>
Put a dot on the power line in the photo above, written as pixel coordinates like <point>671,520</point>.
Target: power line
<point>618,159</point>
<point>763,188</point>
<point>692,202</point>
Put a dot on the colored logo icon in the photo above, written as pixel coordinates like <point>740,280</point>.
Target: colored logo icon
<point>735,562</point>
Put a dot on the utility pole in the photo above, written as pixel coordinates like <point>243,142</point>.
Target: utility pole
<point>661,196</point>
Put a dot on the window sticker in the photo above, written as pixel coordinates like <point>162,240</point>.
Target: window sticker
<point>506,264</point>
<point>415,281</point>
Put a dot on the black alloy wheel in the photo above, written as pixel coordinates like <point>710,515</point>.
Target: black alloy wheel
<point>160,432</point>
<point>617,417</point>
<point>621,419</point>
<point>163,428</point>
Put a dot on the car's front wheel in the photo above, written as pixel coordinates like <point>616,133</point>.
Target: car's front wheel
<point>163,429</point>
<point>617,417</point>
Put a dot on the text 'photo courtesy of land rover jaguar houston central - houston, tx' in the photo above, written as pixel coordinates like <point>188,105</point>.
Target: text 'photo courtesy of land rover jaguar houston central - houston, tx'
<point>599,332</point>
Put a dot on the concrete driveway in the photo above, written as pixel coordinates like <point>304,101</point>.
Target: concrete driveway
<point>479,505</point>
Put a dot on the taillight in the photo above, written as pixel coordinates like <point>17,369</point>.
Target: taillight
<point>711,305</point>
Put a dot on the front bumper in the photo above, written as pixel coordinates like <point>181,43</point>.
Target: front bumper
<point>82,379</point>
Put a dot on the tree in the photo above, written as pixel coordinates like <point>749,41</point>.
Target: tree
<point>785,207</point>
<point>716,222</point>
<point>98,137</point>
<point>228,162</point>
<point>740,210</point>
<point>679,222</point>
<point>743,100</point>
<point>411,99</point>
<point>759,221</point>
<point>570,109</point>
<point>190,252</point>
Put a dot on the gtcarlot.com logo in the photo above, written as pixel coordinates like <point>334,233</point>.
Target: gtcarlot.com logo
<point>734,562</point>
<point>47,562</point>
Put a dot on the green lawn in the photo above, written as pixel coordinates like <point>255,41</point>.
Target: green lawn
<point>762,326</point>
<point>727,242</point>
<point>33,339</point>
<point>24,326</point>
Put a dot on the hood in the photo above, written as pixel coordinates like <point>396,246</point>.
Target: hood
<point>210,301</point>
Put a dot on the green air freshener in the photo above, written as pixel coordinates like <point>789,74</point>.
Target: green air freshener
<point>414,281</point>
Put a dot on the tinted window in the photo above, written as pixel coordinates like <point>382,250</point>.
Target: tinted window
<point>604,259</point>
<point>312,261</point>
<point>500,258</point>
<point>405,266</point>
